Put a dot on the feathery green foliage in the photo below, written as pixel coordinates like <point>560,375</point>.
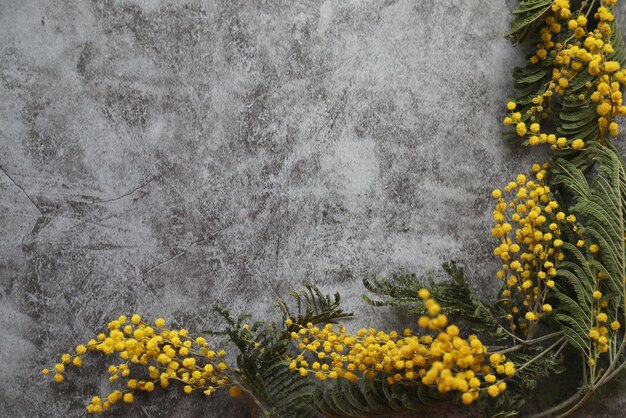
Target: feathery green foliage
<point>375,397</point>
<point>539,361</point>
<point>527,19</point>
<point>454,295</point>
<point>263,348</point>
<point>311,305</point>
<point>598,198</point>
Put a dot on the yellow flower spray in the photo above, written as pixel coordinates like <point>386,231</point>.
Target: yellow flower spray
<point>151,356</point>
<point>439,357</point>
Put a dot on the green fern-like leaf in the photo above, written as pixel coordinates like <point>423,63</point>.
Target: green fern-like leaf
<point>375,397</point>
<point>312,306</point>
<point>264,347</point>
<point>596,191</point>
<point>454,296</point>
<point>577,118</point>
<point>601,204</point>
<point>527,19</point>
<point>399,290</point>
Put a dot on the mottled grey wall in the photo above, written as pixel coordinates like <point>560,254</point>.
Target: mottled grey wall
<point>161,157</point>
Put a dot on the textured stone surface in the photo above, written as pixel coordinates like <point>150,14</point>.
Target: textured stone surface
<point>162,157</point>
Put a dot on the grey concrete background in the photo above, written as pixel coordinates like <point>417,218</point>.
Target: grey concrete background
<point>163,156</point>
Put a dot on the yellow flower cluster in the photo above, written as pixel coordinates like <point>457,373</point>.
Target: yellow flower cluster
<point>440,357</point>
<point>600,331</point>
<point>582,50</point>
<point>533,133</point>
<point>528,228</point>
<point>157,355</point>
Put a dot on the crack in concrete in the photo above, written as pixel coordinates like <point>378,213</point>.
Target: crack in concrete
<point>174,257</point>
<point>141,186</point>
<point>341,107</point>
<point>40,223</point>
<point>23,191</point>
<point>142,275</point>
<point>183,252</point>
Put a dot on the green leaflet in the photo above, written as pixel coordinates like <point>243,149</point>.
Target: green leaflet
<point>312,306</point>
<point>617,40</point>
<point>531,74</point>
<point>577,83</point>
<point>526,18</point>
<point>577,118</point>
<point>352,400</point>
<point>375,397</point>
<point>571,178</point>
<point>579,114</point>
